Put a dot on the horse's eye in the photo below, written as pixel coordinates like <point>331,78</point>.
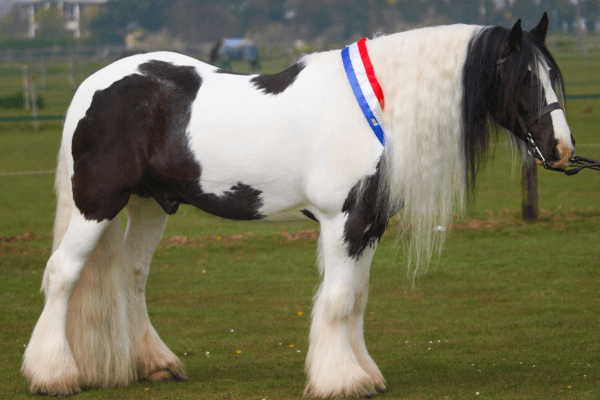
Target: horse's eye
<point>527,79</point>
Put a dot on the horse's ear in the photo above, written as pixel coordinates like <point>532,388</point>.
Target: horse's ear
<point>514,39</point>
<point>541,29</point>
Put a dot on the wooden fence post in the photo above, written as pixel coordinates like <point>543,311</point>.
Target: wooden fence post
<point>25,87</point>
<point>43,76</point>
<point>36,124</point>
<point>529,189</point>
<point>71,75</point>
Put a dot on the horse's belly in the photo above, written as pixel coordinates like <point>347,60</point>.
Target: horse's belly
<point>242,175</point>
<point>266,189</point>
<point>266,153</point>
<point>292,149</point>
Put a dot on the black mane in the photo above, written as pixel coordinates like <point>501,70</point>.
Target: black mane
<point>480,88</point>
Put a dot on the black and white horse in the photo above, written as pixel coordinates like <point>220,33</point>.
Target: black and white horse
<point>153,131</point>
<point>227,50</point>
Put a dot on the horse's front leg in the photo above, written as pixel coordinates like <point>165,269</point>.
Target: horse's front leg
<point>337,354</point>
<point>357,338</point>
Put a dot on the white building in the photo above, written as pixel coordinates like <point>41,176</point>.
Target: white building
<point>70,9</point>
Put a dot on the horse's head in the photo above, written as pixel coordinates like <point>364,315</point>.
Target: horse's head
<point>524,95</point>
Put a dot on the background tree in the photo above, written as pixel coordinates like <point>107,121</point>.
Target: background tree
<point>590,10</point>
<point>51,24</point>
<point>332,20</point>
<point>13,23</point>
<point>122,15</point>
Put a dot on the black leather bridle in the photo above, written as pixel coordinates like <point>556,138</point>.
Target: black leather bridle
<point>576,163</point>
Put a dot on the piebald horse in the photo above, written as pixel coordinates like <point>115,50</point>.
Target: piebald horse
<point>153,131</point>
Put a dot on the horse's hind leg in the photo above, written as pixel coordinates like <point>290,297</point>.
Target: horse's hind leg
<point>108,330</point>
<point>332,366</point>
<point>48,363</point>
<point>144,232</point>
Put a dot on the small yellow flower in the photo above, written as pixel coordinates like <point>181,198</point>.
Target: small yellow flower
<point>218,237</point>
<point>147,389</point>
<point>569,387</point>
<point>300,313</point>
<point>291,345</point>
<point>239,351</point>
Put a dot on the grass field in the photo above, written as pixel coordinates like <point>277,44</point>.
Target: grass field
<point>511,310</point>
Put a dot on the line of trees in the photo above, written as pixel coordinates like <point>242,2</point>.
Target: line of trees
<point>332,20</point>
<point>338,19</point>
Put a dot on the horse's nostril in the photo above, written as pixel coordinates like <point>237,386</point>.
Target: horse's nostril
<point>555,156</point>
<point>561,154</point>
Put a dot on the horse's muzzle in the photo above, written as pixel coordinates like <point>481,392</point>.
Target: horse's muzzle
<point>565,152</point>
<point>561,157</point>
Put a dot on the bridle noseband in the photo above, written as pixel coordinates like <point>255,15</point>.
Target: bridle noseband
<point>532,147</point>
<point>578,163</point>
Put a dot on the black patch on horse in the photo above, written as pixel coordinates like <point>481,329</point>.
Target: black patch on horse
<point>368,209</point>
<point>133,140</point>
<point>277,83</point>
<point>241,202</point>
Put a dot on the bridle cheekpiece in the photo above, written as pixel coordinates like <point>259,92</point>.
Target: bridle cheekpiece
<point>576,163</point>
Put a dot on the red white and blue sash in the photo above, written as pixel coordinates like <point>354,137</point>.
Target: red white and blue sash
<point>364,84</point>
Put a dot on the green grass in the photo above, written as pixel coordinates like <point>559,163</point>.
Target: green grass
<point>504,296</point>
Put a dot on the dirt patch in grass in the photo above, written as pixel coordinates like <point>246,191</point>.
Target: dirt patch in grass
<point>199,241</point>
<point>303,234</point>
<point>19,238</point>
<point>558,219</point>
<point>17,245</point>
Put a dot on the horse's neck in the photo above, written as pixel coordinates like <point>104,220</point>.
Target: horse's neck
<point>422,63</point>
<point>420,73</point>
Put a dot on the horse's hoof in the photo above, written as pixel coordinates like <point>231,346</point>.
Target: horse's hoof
<point>381,390</point>
<point>60,386</point>
<point>167,375</point>
<point>56,390</point>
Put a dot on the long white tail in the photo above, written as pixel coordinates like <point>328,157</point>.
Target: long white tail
<point>64,198</point>
<point>97,319</point>
<point>108,331</point>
